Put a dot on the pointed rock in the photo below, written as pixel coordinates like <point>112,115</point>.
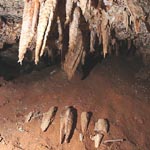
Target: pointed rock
<point>48,118</point>
<point>29,117</point>
<point>85,118</point>
<point>66,124</point>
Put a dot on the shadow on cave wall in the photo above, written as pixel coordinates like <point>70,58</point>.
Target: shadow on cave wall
<point>10,69</point>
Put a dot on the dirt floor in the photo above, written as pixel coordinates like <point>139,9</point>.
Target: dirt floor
<point>111,90</point>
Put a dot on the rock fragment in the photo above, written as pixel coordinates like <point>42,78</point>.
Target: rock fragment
<point>66,124</point>
<point>101,126</point>
<point>85,118</point>
<point>48,118</point>
<point>97,139</point>
<point>29,116</point>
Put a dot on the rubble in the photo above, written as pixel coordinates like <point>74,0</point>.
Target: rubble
<point>48,118</point>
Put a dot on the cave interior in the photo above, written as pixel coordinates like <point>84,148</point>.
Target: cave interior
<point>91,55</point>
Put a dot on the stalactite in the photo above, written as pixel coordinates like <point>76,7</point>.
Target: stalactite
<point>35,15</point>
<point>73,58</point>
<point>83,57</point>
<point>30,16</point>
<point>98,33</point>
<point>52,9</point>
<point>45,18</point>
<point>69,6</point>
<point>125,20</point>
<point>92,40</point>
<point>75,51</point>
<point>60,32</point>
<point>136,14</point>
<point>105,34</point>
<point>83,5</point>
<point>73,31</point>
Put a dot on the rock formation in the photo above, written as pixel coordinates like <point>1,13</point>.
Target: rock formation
<point>76,27</point>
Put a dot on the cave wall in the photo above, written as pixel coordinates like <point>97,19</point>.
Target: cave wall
<point>10,21</point>
<point>11,7</point>
<point>143,40</point>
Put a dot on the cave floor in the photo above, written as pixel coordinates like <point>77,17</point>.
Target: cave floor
<point>110,91</point>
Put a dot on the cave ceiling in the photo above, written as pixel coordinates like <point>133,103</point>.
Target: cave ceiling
<point>73,28</point>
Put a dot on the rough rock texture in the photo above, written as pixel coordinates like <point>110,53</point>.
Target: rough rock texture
<point>143,40</point>
<point>11,17</point>
<point>12,8</point>
<point>9,30</point>
<point>10,21</point>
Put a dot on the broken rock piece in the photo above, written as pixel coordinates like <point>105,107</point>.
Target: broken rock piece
<point>101,126</point>
<point>66,124</point>
<point>48,118</point>
<point>81,137</point>
<point>85,118</point>
<point>29,116</point>
<point>97,139</point>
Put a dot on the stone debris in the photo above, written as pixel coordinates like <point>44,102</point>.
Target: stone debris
<point>85,118</point>
<point>29,116</point>
<point>97,139</point>
<point>32,115</point>
<point>67,120</point>
<point>48,118</point>
<point>101,126</point>
<point>81,137</point>
<point>100,129</point>
<point>37,114</point>
<point>66,124</point>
